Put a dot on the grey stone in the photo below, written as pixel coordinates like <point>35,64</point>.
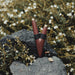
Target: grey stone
<point>28,37</point>
<point>42,66</point>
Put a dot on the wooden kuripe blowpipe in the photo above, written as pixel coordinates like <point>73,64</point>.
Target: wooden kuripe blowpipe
<point>39,40</point>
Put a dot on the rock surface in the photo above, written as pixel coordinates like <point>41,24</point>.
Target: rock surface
<point>40,67</point>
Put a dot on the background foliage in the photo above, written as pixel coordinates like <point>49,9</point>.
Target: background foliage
<point>59,15</point>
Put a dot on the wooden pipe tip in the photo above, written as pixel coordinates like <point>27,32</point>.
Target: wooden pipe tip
<point>45,25</point>
<point>33,19</point>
